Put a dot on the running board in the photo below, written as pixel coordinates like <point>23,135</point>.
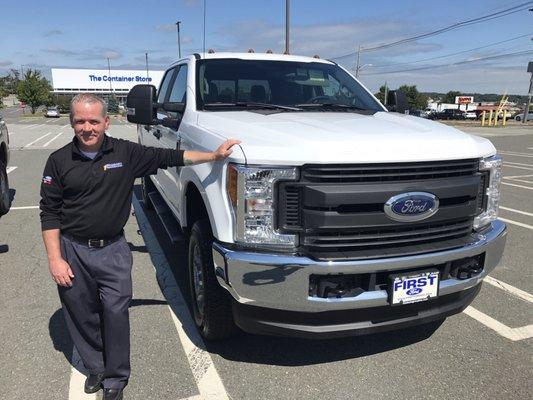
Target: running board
<point>168,220</point>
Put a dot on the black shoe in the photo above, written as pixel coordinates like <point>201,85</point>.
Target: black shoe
<point>93,383</point>
<point>112,394</point>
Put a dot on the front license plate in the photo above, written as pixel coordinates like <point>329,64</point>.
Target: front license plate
<point>412,288</point>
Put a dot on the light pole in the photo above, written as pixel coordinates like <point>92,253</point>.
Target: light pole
<point>287,24</point>
<point>109,75</point>
<point>179,39</point>
<point>360,67</point>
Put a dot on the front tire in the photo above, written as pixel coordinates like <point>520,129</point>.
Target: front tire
<point>211,304</point>
<point>5,200</point>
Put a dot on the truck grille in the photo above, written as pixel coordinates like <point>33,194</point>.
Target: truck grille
<point>338,210</point>
<point>389,172</point>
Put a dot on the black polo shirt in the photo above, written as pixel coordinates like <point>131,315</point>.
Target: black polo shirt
<point>92,198</point>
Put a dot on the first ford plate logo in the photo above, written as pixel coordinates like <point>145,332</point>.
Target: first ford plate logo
<point>412,206</point>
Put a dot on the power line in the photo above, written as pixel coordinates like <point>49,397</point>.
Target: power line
<point>472,21</point>
<point>515,54</point>
<point>453,54</point>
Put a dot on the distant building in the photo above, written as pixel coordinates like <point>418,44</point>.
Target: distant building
<point>66,81</point>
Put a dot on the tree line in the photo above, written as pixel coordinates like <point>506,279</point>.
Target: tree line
<point>35,90</point>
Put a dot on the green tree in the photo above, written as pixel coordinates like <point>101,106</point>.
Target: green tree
<point>381,94</point>
<point>3,93</point>
<point>450,96</point>
<point>34,90</point>
<point>415,99</point>
<point>112,104</point>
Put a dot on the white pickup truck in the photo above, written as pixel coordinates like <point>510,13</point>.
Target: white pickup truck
<point>334,216</point>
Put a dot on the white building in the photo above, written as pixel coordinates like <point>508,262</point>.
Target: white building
<point>101,81</point>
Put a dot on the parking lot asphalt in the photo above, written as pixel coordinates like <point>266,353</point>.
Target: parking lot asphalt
<point>482,353</point>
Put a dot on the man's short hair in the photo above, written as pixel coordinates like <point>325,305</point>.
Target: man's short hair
<point>87,98</point>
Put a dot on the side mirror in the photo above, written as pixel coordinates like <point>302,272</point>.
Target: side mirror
<point>140,104</point>
<point>397,101</point>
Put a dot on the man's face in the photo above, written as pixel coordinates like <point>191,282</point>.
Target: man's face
<point>89,125</point>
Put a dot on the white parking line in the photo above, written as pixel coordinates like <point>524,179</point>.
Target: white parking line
<point>51,140</point>
<point>514,334</point>
<point>516,211</point>
<point>517,167</point>
<point>509,288</point>
<point>510,221</point>
<point>509,153</point>
<point>517,176</point>
<point>37,126</point>
<point>520,186</point>
<point>24,208</point>
<point>10,169</point>
<point>36,140</point>
<point>77,380</point>
<point>207,379</point>
<point>517,163</point>
<point>520,180</point>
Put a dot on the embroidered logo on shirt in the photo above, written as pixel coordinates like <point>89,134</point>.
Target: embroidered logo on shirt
<point>114,165</point>
<point>47,180</point>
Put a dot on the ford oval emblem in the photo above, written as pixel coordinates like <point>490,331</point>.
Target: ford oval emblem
<point>413,291</point>
<point>412,206</point>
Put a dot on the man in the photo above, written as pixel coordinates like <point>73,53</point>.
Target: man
<point>85,203</point>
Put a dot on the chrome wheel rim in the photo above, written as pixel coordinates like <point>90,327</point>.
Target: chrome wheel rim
<point>198,281</point>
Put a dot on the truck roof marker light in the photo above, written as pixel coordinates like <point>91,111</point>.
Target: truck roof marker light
<point>232,184</point>
<point>251,51</point>
<point>316,56</point>
<point>269,51</point>
<point>211,51</point>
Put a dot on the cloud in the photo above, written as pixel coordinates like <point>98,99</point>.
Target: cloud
<point>59,51</point>
<point>52,33</point>
<point>166,28</point>
<point>5,63</point>
<point>99,53</point>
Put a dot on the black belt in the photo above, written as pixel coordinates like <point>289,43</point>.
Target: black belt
<point>98,243</point>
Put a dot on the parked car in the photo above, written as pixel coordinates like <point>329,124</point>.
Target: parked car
<point>470,115</point>
<point>448,114</point>
<point>52,112</point>
<point>420,113</point>
<point>334,216</point>
<point>520,116</point>
<point>5,199</point>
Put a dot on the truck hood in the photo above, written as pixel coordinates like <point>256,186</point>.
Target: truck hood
<point>296,138</point>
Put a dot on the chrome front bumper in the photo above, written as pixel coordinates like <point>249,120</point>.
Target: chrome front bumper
<point>282,282</point>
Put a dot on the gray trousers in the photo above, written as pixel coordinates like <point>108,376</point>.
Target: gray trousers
<point>96,307</point>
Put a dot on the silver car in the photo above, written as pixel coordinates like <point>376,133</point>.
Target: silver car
<point>519,117</point>
<point>52,112</point>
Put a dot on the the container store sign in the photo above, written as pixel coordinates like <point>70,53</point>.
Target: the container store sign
<point>464,99</point>
<point>93,79</point>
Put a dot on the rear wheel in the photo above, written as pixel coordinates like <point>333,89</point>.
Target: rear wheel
<point>147,186</point>
<point>5,200</point>
<point>211,304</point>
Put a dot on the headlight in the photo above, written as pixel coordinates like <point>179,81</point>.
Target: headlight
<point>492,165</point>
<point>251,192</point>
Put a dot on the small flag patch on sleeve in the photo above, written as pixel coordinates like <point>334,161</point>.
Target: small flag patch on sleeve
<point>47,180</point>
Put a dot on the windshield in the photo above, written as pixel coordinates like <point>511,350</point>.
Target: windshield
<point>304,86</point>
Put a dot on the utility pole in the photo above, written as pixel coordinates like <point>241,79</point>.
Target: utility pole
<point>146,57</point>
<point>357,62</point>
<point>109,75</point>
<point>287,24</point>
<point>179,39</point>
<point>530,92</point>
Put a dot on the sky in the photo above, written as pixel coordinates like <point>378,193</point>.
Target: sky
<point>83,34</point>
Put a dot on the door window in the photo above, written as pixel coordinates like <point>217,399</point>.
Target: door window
<point>179,88</point>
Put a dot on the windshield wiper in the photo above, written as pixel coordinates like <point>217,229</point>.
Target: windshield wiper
<point>251,104</point>
<point>332,106</point>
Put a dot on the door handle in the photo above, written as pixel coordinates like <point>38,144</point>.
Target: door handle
<point>157,133</point>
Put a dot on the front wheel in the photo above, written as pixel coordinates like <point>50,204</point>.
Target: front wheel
<point>5,200</point>
<point>211,304</point>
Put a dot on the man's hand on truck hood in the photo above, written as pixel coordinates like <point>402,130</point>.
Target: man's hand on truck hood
<point>198,157</point>
<point>224,150</point>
